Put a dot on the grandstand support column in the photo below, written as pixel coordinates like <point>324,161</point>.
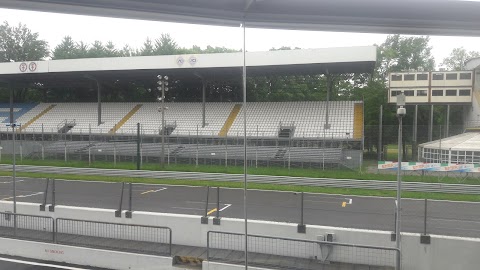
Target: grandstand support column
<point>430,127</point>
<point>204,86</point>
<point>11,101</point>
<point>414,139</point>
<point>99,101</point>
<point>380,134</point>
<point>138,146</point>
<point>447,121</point>
<point>329,89</point>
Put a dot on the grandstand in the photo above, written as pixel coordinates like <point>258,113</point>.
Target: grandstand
<point>303,131</point>
<point>266,119</point>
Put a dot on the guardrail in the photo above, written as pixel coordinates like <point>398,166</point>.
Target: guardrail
<point>27,227</point>
<point>114,236</point>
<point>262,179</point>
<point>288,253</point>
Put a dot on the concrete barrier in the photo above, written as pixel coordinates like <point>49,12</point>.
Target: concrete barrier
<point>83,256</point>
<point>222,266</point>
<point>444,253</point>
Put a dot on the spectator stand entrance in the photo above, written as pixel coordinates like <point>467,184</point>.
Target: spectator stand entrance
<point>307,132</point>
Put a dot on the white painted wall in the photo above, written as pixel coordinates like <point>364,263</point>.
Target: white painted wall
<point>83,256</point>
<point>444,253</point>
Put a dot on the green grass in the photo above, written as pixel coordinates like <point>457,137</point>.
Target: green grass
<point>326,190</point>
<point>277,171</point>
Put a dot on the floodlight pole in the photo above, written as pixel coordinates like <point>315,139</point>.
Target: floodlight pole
<point>401,111</point>
<point>162,161</point>
<point>244,75</point>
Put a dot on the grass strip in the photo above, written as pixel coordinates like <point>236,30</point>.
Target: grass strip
<point>341,173</point>
<point>326,190</point>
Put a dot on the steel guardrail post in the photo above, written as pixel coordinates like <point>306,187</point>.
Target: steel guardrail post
<point>216,220</point>
<point>45,195</point>
<point>51,208</point>
<point>204,219</point>
<point>118,213</point>
<point>301,228</point>
<point>128,214</point>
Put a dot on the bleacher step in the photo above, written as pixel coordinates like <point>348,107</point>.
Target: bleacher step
<point>125,119</point>
<point>42,113</point>
<point>229,122</point>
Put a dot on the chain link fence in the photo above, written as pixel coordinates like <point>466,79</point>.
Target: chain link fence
<point>287,253</point>
<point>335,151</point>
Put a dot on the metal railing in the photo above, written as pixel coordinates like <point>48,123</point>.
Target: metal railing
<point>27,227</point>
<point>262,179</point>
<point>114,236</point>
<point>288,253</point>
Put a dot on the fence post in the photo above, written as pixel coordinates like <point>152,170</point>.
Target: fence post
<point>118,213</point>
<point>216,219</point>
<point>204,219</point>
<point>51,208</point>
<point>301,228</point>
<point>128,214</point>
<point>42,206</point>
<point>424,238</point>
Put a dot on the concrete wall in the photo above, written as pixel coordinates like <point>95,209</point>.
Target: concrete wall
<point>443,252</point>
<point>83,256</point>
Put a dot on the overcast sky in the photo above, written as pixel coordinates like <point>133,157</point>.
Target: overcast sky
<point>53,27</point>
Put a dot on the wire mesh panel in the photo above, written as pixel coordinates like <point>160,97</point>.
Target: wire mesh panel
<point>287,253</point>
<point>28,227</point>
<point>115,236</point>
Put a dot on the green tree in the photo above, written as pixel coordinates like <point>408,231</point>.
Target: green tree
<point>401,53</point>
<point>458,57</point>
<point>67,49</point>
<point>18,43</point>
<point>165,45</point>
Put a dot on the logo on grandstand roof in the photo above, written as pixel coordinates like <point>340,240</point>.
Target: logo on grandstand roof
<point>23,67</point>
<point>192,60</point>
<point>180,61</point>
<point>32,66</point>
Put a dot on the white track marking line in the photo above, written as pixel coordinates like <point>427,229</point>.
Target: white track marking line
<point>187,208</point>
<point>153,191</point>
<point>23,196</point>
<point>9,182</point>
<point>225,207</point>
<point>42,264</point>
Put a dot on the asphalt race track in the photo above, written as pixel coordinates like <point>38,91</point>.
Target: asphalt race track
<point>443,218</point>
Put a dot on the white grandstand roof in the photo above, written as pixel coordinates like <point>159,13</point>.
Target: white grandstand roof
<point>469,141</point>
<point>285,62</point>
<point>472,64</point>
<point>420,17</point>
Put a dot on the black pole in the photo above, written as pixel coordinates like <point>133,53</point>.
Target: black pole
<point>217,214</point>
<point>301,228</point>
<point>138,146</point>
<point>425,219</point>
<point>204,219</point>
<point>216,220</point>
<point>118,213</point>
<point>128,214</point>
<point>45,195</point>
<point>52,206</point>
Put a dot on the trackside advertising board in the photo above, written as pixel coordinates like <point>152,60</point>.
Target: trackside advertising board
<point>432,167</point>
